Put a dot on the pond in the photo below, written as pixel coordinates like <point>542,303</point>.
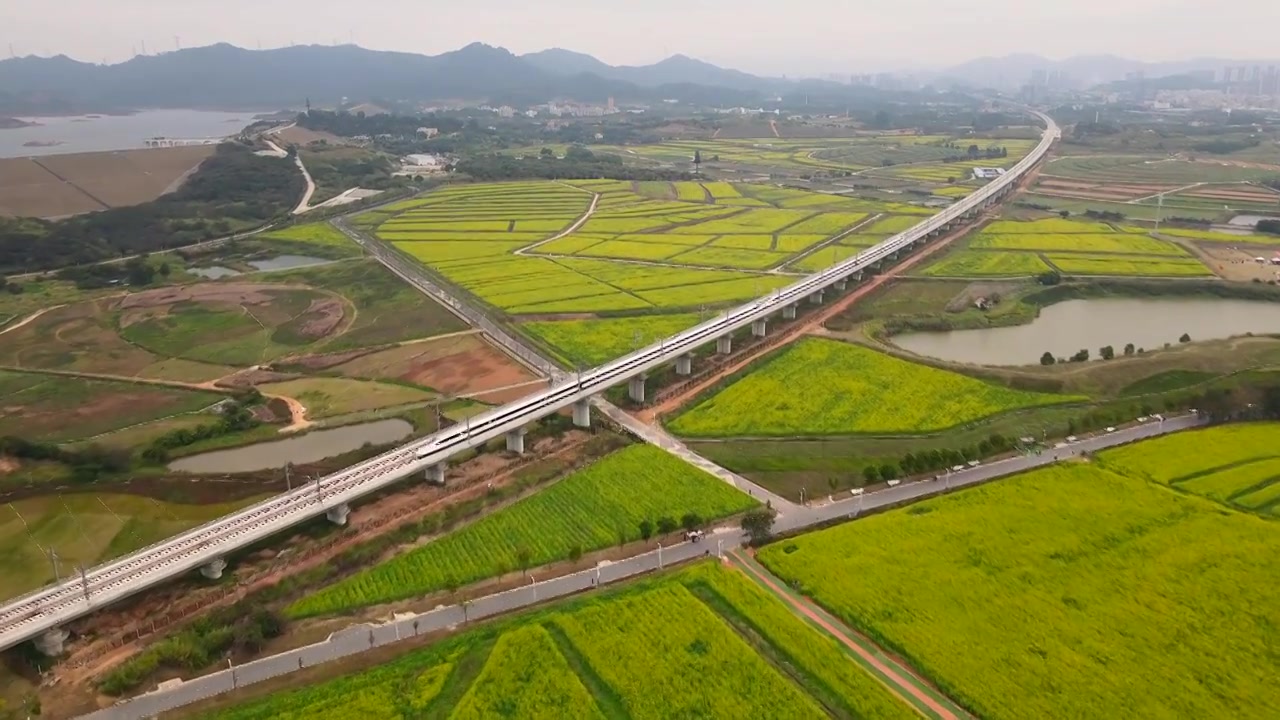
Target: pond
<point>1066,327</point>
<point>287,262</point>
<point>312,447</point>
<point>214,272</point>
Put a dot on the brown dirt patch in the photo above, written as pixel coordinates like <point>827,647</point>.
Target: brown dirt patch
<point>322,317</point>
<point>302,136</point>
<point>8,464</point>
<point>1239,265</point>
<point>324,362</point>
<point>456,365</point>
<point>229,293</point>
<point>251,377</point>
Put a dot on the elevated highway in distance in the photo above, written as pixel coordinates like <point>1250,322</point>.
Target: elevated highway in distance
<point>39,615</point>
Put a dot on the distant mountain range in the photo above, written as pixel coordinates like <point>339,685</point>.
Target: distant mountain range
<point>226,76</point>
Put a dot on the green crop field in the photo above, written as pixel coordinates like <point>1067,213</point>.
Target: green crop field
<point>525,676</point>
<point>1149,266</point>
<point>591,509</point>
<point>587,343</point>
<point>1237,465</point>
<point>695,667</point>
<point>310,237</point>
<point>701,642</point>
<point>1126,243</point>
<point>1067,592</point>
<point>331,397</point>
<point>825,387</point>
<point>1148,169</point>
<point>58,409</point>
<point>976,263</point>
<point>86,529</point>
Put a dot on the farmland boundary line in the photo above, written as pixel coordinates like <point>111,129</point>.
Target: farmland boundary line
<point>899,677</point>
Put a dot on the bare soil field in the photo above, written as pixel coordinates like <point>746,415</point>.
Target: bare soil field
<point>61,185</point>
<point>462,364</point>
<point>302,136</point>
<point>1238,265</point>
<point>29,190</point>
<point>1248,195</point>
<point>1097,191</point>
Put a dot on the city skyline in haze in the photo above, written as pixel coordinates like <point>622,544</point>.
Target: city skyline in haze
<point>802,37</point>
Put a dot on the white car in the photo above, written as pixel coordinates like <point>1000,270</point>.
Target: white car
<point>973,463</point>
<point>957,468</point>
<point>1143,418</point>
<point>1111,429</point>
<point>1071,438</point>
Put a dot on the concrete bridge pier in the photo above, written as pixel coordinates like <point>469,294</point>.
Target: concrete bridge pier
<point>515,441</point>
<point>857,276</point>
<point>435,473</point>
<point>760,328</point>
<point>684,365</point>
<point>582,413</point>
<point>841,284</point>
<point>213,570</point>
<point>50,643</point>
<point>789,312</point>
<point>816,298</point>
<point>635,389</point>
<point>724,345</point>
<point>338,514</point>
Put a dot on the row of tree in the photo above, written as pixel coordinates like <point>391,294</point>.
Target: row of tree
<point>236,416</point>
<point>1106,352</point>
<point>578,163</point>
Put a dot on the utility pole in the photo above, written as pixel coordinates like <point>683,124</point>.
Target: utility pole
<point>288,480</point>
<point>319,498</point>
<point>84,582</point>
<point>1159,210</point>
<point>177,43</point>
<point>144,47</point>
<point>53,558</point>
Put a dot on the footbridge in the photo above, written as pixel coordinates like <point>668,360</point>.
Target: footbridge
<point>40,615</point>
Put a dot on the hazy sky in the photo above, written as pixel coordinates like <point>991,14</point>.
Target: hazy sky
<point>762,36</point>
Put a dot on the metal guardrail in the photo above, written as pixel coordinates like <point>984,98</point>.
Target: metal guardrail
<point>49,607</point>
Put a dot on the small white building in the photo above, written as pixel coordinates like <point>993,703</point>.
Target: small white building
<point>980,173</point>
<point>427,132</point>
<point>424,161</point>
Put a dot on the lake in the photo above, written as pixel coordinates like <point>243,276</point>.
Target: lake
<point>1066,327</point>
<point>312,447</point>
<point>118,132</point>
<point>287,262</point>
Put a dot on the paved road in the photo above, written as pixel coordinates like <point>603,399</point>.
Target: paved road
<point>359,638</point>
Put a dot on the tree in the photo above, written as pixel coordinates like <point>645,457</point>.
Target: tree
<point>871,474</point>
<point>1049,278</point>
<point>667,525</point>
<point>1128,349</point>
<point>1064,214</point>
<point>547,152</point>
<point>690,521</point>
<point>1080,356</point>
<point>697,160</point>
<point>523,558</point>
<point>646,529</point>
<point>1047,358</point>
<point>758,524</point>
<point>1186,338</point>
<point>575,553</point>
<point>888,471</point>
<point>1107,352</point>
<point>833,482</point>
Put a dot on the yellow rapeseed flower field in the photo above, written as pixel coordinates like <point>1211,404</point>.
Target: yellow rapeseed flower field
<point>825,387</point>
<point>1067,592</point>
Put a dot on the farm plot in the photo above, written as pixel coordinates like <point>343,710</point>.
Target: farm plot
<point>824,387</point>
<point>699,642</point>
<point>1145,266</point>
<point>59,409</point>
<point>591,509</point>
<point>976,263</point>
<point>1064,587</point>
<point>695,667</point>
<point>526,677</point>
<point>730,258</point>
<point>1220,237</point>
<point>87,529</point>
<point>1147,169</point>
<point>1112,242</point>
